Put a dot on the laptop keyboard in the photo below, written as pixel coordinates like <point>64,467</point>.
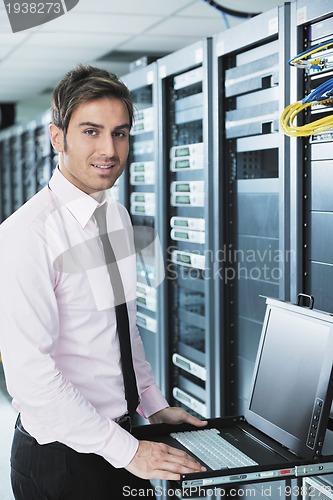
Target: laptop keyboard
<point>212,449</point>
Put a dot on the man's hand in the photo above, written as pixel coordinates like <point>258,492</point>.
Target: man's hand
<point>160,461</point>
<point>173,415</point>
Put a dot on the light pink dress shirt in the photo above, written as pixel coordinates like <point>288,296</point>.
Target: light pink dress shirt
<point>58,329</point>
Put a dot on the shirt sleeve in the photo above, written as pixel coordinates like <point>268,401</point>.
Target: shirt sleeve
<point>152,400</point>
<point>28,338</point>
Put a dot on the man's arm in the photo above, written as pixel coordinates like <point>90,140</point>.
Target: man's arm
<point>28,339</point>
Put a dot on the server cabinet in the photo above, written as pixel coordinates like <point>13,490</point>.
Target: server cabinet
<point>137,190</point>
<point>313,158</point>
<point>186,227</point>
<point>26,162</point>
<point>250,191</point>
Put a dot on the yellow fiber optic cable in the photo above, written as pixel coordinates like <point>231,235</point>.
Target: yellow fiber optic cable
<point>290,113</point>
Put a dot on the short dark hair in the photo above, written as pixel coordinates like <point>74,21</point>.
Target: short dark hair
<point>82,84</point>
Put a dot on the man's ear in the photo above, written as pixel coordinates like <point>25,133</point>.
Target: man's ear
<point>57,138</point>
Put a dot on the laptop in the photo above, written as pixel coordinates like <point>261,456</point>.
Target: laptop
<point>283,430</point>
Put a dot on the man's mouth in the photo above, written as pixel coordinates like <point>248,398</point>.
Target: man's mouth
<point>103,166</point>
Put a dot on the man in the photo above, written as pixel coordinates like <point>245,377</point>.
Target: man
<point>59,324</point>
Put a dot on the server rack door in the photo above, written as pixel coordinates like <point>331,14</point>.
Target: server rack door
<point>249,190</point>
<point>186,207</point>
<point>137,190</point>
<point>313,157</point>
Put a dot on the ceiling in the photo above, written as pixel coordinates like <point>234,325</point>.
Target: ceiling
<point>105,33</point>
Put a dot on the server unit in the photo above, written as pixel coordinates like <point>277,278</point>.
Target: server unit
<point>137,190</point>
<point>186,225</point>
<point>250,181</point>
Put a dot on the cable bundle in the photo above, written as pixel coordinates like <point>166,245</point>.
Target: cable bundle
<point>323,96</point>
<point>288,117</point>
<point>304,61</point>
<point>321,93</point>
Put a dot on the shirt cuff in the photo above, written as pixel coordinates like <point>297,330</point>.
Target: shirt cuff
<point>152,400</point>
<point>121,448</point>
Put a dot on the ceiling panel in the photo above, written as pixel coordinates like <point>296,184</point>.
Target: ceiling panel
<point>160,43</point>
<point>24,53</point>
<point>100,23</point>
<point>30,67</point>
<point>92,41</point>
<point>130,7</point>
<point>188,26</point>
<point>13,40</point>
<point>200,8</point>
<point>255,6</point>
<point>4,23</point>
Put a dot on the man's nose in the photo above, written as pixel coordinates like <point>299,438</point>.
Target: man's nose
<point>107,147</point>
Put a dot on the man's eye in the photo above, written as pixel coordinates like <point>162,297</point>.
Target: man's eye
<point>119,134</point>
<point>90,131</point>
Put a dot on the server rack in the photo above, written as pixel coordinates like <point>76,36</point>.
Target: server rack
<point>186,228</point>
<point>252,201</point>
<point>137,190</point>
<point>26,161</point>
<point>313,158</point>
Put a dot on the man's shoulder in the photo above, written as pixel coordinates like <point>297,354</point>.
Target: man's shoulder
<point>32,213</point>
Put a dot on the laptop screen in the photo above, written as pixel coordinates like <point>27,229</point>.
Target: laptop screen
<point>292,386</point>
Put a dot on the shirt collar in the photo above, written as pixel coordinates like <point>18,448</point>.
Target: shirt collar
<point>80,204</point>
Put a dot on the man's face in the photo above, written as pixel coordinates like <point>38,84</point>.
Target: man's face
<point>93,154</point>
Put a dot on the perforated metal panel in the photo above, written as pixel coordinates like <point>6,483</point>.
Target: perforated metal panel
<point>316,489</point>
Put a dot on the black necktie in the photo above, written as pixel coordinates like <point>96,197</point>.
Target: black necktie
<point>131,392</point>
